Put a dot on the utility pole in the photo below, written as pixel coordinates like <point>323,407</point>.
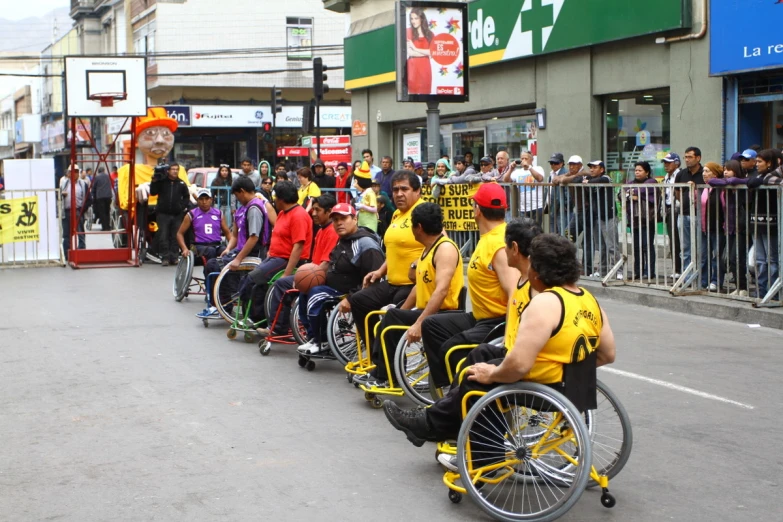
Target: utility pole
<point>319,89</point>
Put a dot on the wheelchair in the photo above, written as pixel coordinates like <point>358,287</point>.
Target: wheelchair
<point>185,283</point>
<point>410,368</point>
<point>340,336</point>
<point>526,452</point>
<point>297,333</point>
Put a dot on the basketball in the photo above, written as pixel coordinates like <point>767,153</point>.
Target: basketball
<point>309,276</point>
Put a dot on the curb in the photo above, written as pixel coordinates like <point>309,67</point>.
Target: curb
<point>702,306</point>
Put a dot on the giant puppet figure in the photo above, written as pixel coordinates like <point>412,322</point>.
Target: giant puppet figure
<point>154,140</point>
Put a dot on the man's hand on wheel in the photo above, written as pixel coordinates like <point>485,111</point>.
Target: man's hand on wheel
<point>414,333</point>
<point>185,252</point>
<point>233,265</point>
<point>345,306</point>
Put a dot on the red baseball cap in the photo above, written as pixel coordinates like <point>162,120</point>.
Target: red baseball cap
<point>490,195</point>
<point>343,208</point>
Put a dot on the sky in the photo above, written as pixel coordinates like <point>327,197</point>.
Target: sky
<point>32,8</point>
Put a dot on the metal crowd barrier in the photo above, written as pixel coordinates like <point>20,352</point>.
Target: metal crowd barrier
<point>26,213</point>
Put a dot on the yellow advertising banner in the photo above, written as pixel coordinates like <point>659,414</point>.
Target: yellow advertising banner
<point>19,220</point>
<point>456,204</point>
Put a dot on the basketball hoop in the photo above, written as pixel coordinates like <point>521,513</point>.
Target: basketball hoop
<point>107,99</point>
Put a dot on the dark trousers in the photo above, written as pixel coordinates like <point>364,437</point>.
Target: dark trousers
<point>674,237</point>
<point>168,225</point>
<point>281,320</point>
<point>101,207</point>
<point>67,238</point>
<point>445,416</point>
<point>230,283</point>
<point>257,283</point>
<point>373,298</point>
<point>394,317</point>
<point>438,335</point>
<point>644,251</point>
<point>311,310</point>
<point>738,258</point>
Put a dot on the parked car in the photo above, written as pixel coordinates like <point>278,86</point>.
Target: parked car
<point>203,176</point>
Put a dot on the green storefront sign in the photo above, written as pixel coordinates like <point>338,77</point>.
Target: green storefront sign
<point>503,30</point>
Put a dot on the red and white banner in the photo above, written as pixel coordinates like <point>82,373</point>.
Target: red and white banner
<point>292,151</point>
<point>331,140</point>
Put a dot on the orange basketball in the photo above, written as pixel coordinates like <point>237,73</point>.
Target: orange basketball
<point>309,276</point>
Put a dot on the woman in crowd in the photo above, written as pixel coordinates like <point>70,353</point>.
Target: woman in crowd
<point>764,217</point>
<point>356,166</point>
<point>266,187</point>
<point>221,190</point>
<point>442,174</point>
<point>735,223</point>
<point>329,171</point>
<point>264,169</point>
<point>640,209</point>
<point>307,189</point>
<point>713,218</point>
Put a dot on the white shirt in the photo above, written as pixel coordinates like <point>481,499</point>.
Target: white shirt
<point>669,178</point>
<point>531,196</point>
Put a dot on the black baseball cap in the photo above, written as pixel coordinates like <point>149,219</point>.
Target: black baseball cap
<point>486,159</point>
<point>557,157</point>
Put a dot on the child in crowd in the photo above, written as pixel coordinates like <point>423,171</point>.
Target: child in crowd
<point>367,202</point>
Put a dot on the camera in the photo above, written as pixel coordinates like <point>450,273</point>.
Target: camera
<point>161,172</point>
<point>518,161</point>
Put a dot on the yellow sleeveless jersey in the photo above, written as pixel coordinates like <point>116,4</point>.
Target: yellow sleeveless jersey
<point>575,338</point>
<point>486,295</point>
<point>519,301</point>
<point>425,278</point>
<point>402,249</point>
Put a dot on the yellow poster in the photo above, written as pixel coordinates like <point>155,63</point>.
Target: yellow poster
<point>19,220</point>
<point>456,204</point>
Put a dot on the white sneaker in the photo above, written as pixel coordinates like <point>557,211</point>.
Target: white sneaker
<point>741,293</point>
<point>713,287</point>
<point>619,276</point>
<point>675,276</point>
<point>448,461</point>
<point>306,347</point>
<point>595,274</point>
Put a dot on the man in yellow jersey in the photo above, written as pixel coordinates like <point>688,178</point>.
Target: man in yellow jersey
<point>402,250</point>
<point>439,282</point>
<point>490,281</point>
<point>561,325</point>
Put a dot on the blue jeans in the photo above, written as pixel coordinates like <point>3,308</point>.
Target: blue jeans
<point>311,306</point>
<point>685,239</point>
<point>767,258</point>
<point>713,268</point>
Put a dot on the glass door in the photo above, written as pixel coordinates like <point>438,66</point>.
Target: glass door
<point>469,141</point>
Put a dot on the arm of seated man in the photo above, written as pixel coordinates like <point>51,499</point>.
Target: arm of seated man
<point>539,320</point>
<point>293,259</point>
<point>445,259</point>
<point>181,234</point>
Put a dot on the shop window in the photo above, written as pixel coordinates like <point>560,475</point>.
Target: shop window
<point>512,135</point>
<point>299,38</point>
<point>637,129</point>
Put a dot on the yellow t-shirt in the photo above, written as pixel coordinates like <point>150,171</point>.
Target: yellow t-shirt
<point>576,337</point>
<point>310,191</point>
<point>487,296</point>
<point>519,301</point>
<point>402,249</point>
<point>425,279</point>
<point>143,175</point>
<point>369,219</point>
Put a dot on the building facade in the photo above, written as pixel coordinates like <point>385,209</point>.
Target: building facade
<point>607,80</point>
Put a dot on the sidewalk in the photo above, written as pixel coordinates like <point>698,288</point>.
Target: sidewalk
<point>697,305</point>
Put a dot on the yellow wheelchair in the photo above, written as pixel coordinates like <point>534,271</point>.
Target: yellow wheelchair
<point>527,452</point>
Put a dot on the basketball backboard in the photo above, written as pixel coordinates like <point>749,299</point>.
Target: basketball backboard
<point>91,80</point>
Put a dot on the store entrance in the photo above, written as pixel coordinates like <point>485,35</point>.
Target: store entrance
<point>761,123</point>
<point>224,154</point>
<point>469,141</point>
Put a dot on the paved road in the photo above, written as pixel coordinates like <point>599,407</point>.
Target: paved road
<point>116,404</point>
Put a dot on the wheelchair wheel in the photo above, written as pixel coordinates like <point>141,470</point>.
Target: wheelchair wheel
<point>118,230</point>
<point>502,439</point>
<point>182,277</point>
<point>225,305</point>
<point>412,372</point>
<point>297,328</point>
<point>610,433</point>
<point>341,335</point>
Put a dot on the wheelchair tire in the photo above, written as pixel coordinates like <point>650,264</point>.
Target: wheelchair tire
<point>543,499</point>
<point>225,308</point>
<point>119,234</point>
<point>341,335</point>
<point>183,276</point>
<point>610,433</point>
<point>411,370</point>
<point>297,328</point>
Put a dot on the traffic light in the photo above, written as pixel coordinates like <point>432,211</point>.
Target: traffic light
<point>277,100</point>
<point>319,77</point>
<point>267,136</point>
<point>308,118</point>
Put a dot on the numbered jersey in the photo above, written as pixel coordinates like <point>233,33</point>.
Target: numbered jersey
<point>576,336</point>
<point>206,225</point>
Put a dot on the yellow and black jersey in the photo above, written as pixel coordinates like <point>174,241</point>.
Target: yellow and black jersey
<point>576,336</point>
<point>425,278</point>
<point>516,305</point>
<point>402,249</point>
<point>486,294</point>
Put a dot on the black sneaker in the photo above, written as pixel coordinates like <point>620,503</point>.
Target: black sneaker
<point>165,262</point>
<point>411,422</point>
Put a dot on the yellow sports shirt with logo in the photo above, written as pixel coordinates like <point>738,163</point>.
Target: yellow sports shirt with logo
<point>425,278</point>
<point>402,249</point>
<point>516,305</point>
<point>486,295</point>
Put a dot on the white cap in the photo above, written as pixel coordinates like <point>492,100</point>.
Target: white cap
<point>575,159</point>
